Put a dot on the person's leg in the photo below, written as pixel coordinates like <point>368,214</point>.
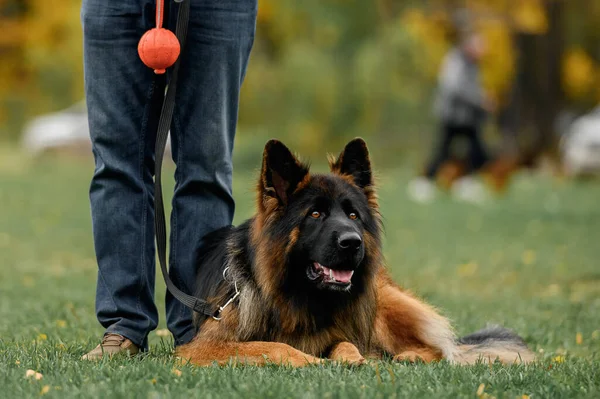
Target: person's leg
<point>123,99</point>
<point>477,154</point>
<point>213,65</point>
<point>442,152</point>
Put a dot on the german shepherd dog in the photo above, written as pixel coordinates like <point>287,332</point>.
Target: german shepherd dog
<point>304,279</point>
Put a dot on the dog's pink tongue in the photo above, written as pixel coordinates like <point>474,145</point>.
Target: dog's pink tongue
<point>343,276</point>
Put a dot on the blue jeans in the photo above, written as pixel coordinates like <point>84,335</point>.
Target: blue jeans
<point>124,99</point>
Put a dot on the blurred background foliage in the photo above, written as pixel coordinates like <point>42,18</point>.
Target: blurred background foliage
<point>326,70</point>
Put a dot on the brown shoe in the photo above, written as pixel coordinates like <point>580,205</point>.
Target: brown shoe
<point>112,344</point>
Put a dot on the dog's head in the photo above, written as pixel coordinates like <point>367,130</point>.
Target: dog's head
<point>317,234</point>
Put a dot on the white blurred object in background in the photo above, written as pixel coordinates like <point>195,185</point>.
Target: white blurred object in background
<point>469,189</point>
<point>422,190</point>
<point>580,147</point>
<point>63,130</point>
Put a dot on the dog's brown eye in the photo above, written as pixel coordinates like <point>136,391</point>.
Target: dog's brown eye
<point>353,216</point>
<point>315,214</point>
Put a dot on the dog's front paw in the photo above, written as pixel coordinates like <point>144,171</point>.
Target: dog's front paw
<point>352,360</point>
<point>408,356</point>
<point>347,353</point>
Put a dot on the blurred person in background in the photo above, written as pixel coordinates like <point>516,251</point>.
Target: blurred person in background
<point>124,99</point>
<point>461,105</point>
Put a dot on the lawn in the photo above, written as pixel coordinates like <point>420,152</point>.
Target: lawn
<point>529,260</point>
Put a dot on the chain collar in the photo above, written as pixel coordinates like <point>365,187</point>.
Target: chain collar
<point>217,315</point>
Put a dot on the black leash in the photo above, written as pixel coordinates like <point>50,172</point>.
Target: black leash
<point>164,124</point>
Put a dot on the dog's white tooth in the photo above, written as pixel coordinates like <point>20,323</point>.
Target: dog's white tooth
<point>331,274</point>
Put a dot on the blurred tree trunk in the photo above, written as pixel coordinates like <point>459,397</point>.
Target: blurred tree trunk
<point>538,97</point>
<point>552,88</point>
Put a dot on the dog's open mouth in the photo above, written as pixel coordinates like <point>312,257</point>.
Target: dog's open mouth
<point>329,276</point>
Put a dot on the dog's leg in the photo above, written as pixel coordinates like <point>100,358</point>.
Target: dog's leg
<point>345,352</point>
<point>205,353</point>
<point>409,328</point>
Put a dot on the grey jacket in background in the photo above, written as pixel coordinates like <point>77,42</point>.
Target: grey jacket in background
<point>460,97</point>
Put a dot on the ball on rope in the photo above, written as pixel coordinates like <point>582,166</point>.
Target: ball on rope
<point>159,49</point>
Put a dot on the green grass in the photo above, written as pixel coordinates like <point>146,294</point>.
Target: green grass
<point>528,261</point>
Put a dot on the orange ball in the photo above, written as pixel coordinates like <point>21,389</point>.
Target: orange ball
<point>159,49</point>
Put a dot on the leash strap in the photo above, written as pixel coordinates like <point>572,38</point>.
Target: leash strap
<point>164,124</point>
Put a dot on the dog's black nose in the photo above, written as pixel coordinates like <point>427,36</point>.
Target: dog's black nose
<point>349,241</point>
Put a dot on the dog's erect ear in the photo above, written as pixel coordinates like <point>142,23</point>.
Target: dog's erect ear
<point>281,172</point>
<point>354,161</point>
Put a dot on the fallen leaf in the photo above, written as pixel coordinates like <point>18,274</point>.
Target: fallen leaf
<point>42,337</point>
<point>163,332</point>
<point>33,374</point>
<point>579,338</point>
<point>529,257</point>
<point>551,290</point>
<point>559,359</point>
<point>480,389</point>
<point>525,397</point>
<point>467,269</point>
<point>17,362</point>
<point>28,281</point>
<point>177,372</point>
<point>45,389</point>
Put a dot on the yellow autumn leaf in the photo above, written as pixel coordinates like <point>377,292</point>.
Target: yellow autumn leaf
<point>430,31</point>
<point>266,10</point>
<point>163,332</point>
<point>28,281</point>
<point>42,337</point>
<point>467,269</point>
<point>480,389</point>
<point>559,359</point>
<point>579,338</point>
<point>498,64</point>
<point>529,16</point>
<point>45,389</point>
<point>578,73</point>
<point>529,257</point>
<point>551,290</point>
